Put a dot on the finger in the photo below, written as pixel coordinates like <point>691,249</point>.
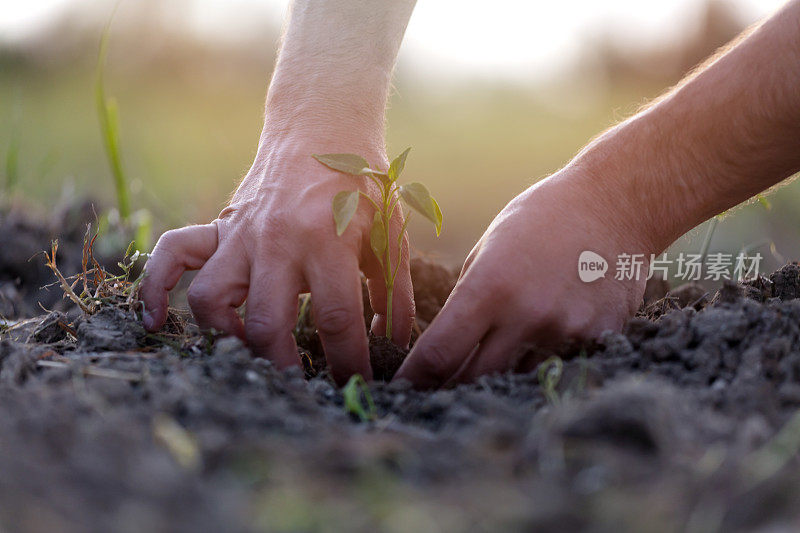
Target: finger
<point>219,289</point>
<point>447,343</point>
<point>271,315</point>
<point>499,351</point>
<point>177,251</point>
<point>402,302</point>
<point>338,313</point>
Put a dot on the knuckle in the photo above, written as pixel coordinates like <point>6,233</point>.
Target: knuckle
<point>202,296</point>
<point>262,330</point>
<point>335,320</point>
<point>168,240</point>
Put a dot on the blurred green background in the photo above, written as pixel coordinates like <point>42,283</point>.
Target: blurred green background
<point>191,109</point>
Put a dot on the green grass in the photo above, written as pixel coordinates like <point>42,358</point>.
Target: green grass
<point>108,115</point>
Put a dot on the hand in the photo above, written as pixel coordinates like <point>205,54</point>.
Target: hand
<point>520,284</point>
<point>276,240</point>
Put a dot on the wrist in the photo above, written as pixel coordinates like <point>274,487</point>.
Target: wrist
<point>286,154</point>
<point>305,107</point>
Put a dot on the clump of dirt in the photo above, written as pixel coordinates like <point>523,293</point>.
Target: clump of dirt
<point>432,283</point>
<point>385,357</point>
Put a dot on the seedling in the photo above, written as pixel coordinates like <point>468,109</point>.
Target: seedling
<point>345,204</point>
<point>549,376</point>
<point>353,392</point>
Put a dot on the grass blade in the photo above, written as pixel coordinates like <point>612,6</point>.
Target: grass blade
<point>109,129</point>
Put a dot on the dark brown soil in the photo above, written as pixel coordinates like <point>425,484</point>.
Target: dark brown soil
<point>23,274</point>
<point>686,421</point>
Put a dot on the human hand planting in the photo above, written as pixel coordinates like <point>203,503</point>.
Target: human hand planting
<point>274,241</point>
<point>724,134</point>
<point>277,238</point>
<point>519,285</point>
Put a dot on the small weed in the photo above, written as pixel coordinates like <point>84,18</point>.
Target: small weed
<point>345,204</point>
<point>354,392</point>
<point>549,376</point>
<point>94,286</point>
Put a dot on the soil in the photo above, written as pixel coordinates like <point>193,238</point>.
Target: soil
<point>687,420</point>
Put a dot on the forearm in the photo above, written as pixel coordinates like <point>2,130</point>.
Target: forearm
<point>723,135</point>
<point>334,68</point>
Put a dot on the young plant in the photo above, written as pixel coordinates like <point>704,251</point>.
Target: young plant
<point>549,376</point>
<point>345,204</point>
<point>356,390</point>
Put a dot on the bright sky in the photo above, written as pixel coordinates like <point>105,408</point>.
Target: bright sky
<point>510,38</point>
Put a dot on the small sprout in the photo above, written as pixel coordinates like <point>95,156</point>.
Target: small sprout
<point>345,204</point>
<point>549,376</point>
<point>353,392</point>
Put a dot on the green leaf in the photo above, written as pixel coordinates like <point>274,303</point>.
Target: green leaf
<point>382,176</point>
<point>353,393</point>
<point>345,204</point>
<point>416,195</point>
<point>397,166</point>
<point>347,163</point>
<point>377,237</point>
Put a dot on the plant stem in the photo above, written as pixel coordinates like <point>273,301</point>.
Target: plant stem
<point>387,274</point>
<point>389,294</point>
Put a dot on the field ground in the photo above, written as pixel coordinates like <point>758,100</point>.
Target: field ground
<point>689,420</point>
